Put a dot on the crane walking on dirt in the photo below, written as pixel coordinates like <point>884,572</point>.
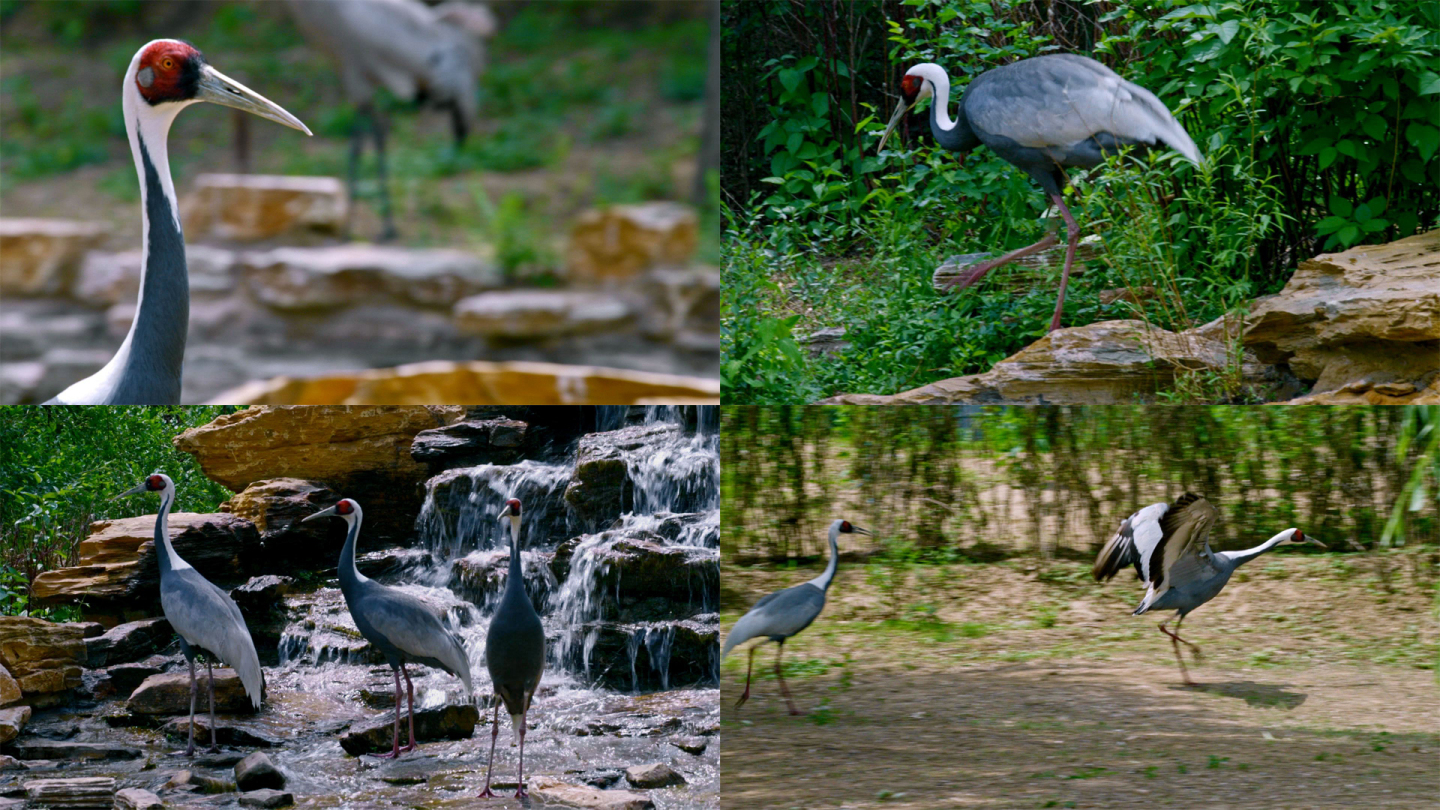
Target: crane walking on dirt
<point>783,614</point>
<point>204,617</point>
<point>401,626</point>
<point>514,652</point>
<point>164,77</point>
<point>1043,115</point>
<point>1168,545</point>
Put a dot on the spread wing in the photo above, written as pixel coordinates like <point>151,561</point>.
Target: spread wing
<point>1132,544</point>
<point>1061,100</point>
<point>783,613</point>
<point>1183,554</point>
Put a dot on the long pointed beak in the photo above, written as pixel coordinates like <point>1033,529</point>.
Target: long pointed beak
<point>859,530</point>
<point>504,513</point>
<point>135,490</point>
<point>320,514</point>
<point>218,88</point>
<point>894,122</point>
<point>1316,541</point>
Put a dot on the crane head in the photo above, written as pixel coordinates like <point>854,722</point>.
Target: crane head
<point>846,527</point>
<point>512,508</point>
<point>916,86</point>
<point>345,508</point>
<point>154,482</point>
<point>169,71</point>
<point>1297,537</point>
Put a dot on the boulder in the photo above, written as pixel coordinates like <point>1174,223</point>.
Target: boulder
<point>109,279</point>
<point>12,722</point>
<point>337,276</point>
<point>117,573</point>
<point>479,577</point>
<point>129,642</point>
<point>1110,362</point>
<point>470,442</point>
<point>449,722</point>
<point>9,687</point>
<point>266,798</point>
<point>360,453</point>
<point>262,603</point>
<point>40,256</point>
<point>249,207</point>
<point>125,678</point>
<point>169,693</point>
<point>260,596</point>
<point>77,792</point>
<point>600,489</point>
<point>520,315</point>
<point>32,748</point>
<point>684,304</point>
<point>638,568</point>
<point>549,791</point>
<point>179,729</point>
<point>45,658</point>
<point>200,783</point>
<point>278,507</point>
<point>690,744</point>
<point>647,656</point>
<point>1367,319</point>
<point>9,763</point>
<point>655,775</point>
<point>137,799</point>
<point>257,772</point>
<point>620,242</point>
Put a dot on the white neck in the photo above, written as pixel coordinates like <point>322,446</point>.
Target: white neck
<point>940,81</point>
<point>823,581</point>
<point>1240,557</point>
<point>352,529</point>
<point>167,499</point>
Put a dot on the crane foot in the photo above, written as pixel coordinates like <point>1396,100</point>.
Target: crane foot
<point>487,793</point>
<point>521,794</point>
<point>743,697</point>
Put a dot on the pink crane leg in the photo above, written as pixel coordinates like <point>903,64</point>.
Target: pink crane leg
<point>409,687</point>
<point>744,696</point>
<point>520,788</point>
<point>395,747</point>
<point>494,735</point>
<point>1072,237</point>
<point>784,690</point>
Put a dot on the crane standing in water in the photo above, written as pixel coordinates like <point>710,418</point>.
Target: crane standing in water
<point>164,77</point>
<point>785,613</point>
<point>1043,115</point>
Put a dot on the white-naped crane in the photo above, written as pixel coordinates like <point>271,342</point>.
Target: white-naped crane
<point>164,77</point>
<point>1168,545</point>
<point>780,615</point>
<point>431,56</point>
<point>204,617</point>
<point>1043,115</point>
<point>403,628</point>
<point>514,652</point>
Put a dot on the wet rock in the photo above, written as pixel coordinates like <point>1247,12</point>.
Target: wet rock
<point>126,677</point>
<point>599,778</point>
<point>1368,316</point>
<point>129,642</point>
<point>469,443</point>
<point>9,763</point>
<point>179,729</point>
<point>685,304</point>
<point>691,745</point>
<point>198,782</point>
<point>65,749</point>
<point>622,241</point>
<point>169,693</point>
<point>44,658</point>
<point>322,278</point>
<point>41,256</point>
<point>535,314</point>
<point>117,575</point>
<point>600,489</point>
<point>480,577</point>
<point>88,630</point>
<point>639,568</point>
<point>79,792</point>
<point>654,655</point>
<point>53,727</point>
<point>462,505</point>
<point>480,382</point>
<point>137,799</point>
<point>361,453</point>
<point>12,721</point>
<point>256,772</point>
<point>249,207</point>
<point>1102,363</point>
<point>390,562</point>
<point>260,595</point>
<point>9,687</point>
<point>450,722</point>
<point>548,790</point>
<point>266,798</point>
<point>657,775</point>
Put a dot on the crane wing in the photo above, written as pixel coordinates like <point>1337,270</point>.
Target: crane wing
<point>783,613</point>
<point>206,617</point>
<point>1054,102</point>
<point>416,630</point>
<point>1183,554</point>
<point>1132,544</point>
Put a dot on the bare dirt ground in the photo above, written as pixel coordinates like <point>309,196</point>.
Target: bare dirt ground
<point>1022,684</point>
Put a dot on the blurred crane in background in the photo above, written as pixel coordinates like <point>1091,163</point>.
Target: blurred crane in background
<point>431,56</point>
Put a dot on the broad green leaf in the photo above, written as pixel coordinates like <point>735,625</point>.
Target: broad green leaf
<point>1429,83</point>
<point>1349,235</point>
<point>790,79</point>
<point>1341,207</point>
<point>1425,139</point>
<point>1375,126</point>
<point>1228,30</point>
<point>1374,225</point>
<point>1327,156</point>
<point>1377,205</point>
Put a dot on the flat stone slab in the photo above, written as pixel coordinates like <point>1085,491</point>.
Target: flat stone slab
<point>169,693</point>
<point>40,256</point>
<point>332,277</point>
<point>1051,258</point>
<point>266,798</point>
<point>622,241</point>
<point>549,790</point>
<point>137,799</point>
<point>530,314</point>
<point>179,729</point>
<point>65,749</point>
<point>248,207</point>
<point>654,775</point>
<point>452,722</point>
<point>80,792</point>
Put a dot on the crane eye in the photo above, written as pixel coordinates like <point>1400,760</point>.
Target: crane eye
<point>168,63</point>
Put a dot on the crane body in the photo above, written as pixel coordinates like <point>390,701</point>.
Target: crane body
<point>1043,115</point>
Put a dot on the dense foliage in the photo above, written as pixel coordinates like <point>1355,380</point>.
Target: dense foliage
<point>972,481</point>
<point>1319,124</point>
<point>61,466</point>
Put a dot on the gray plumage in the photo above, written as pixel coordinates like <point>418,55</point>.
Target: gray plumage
<point>402,627</point>
<point>780,615</point>
<point>146,369</point>
<point>418,53</point>
<point>204,617</point>
<point>1168,545</point>
<point>1043,115</point>
<point>514,650</point>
